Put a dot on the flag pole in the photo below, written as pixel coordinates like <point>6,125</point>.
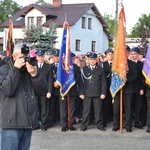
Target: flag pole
<point>68,104</point>
<point>121,111</point>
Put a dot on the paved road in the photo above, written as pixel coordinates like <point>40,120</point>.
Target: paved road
<point>92,139</point>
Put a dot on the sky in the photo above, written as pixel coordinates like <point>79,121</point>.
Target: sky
<point>133,8</point>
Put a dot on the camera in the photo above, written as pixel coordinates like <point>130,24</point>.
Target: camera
<point>25,50</point>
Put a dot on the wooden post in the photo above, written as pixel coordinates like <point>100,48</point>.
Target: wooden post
<point>68,104</point>
<point>121,111</point>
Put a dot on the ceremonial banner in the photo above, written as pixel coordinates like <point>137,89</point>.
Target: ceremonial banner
<point>10,45</point>
<point>65,77</point>
<point>119,65</point>
<point>146,66</point>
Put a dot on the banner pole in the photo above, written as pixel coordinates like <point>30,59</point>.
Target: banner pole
<point>68,105</point>
<point>121,111</point>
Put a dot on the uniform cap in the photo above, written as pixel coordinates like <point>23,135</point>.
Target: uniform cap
<point>109,50</point>
<point>40,53</point>
<point>72,54</point>
<point>128,48</point>
<point>56,53</point>
<point>92,55</point>
<point>3,53</point>
<point>135,49</point>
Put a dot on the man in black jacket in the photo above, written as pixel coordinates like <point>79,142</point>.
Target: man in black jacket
<point>127,97</point>
<point>72,95</point>
<point>19,81</point>
<point>138,88</point>
<point>94,91</point>
<point>54,101</point>
<point>43,100</point>
<point>107,103</point>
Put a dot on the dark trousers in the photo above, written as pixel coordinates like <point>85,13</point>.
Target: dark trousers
<point>143,111</point>
<point>54,109</point>
<point>136,106</point>
<point>43,105</point>
<point>64,111</point>
<point>107,109</point>
<point>97,105</point>
<point>127,102</point>
<point>148,111</point>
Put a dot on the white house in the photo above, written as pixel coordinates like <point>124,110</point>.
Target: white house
<point>88,29</point>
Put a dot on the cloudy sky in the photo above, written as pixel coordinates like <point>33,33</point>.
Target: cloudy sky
<point>133,8</point>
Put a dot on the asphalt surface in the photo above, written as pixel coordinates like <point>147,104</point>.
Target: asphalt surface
<point>91,139</point>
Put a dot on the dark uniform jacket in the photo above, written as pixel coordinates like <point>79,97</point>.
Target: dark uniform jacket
<point>56,91</point>
<point>137,84</point>
<point>74,91</point>
<point>107,69</point>
<point>131,76</point>
<point>94,81</point>
<point>18,106</point>
<point>46,72</point>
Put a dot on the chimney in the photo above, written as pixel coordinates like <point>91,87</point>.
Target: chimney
<point>57,3</point>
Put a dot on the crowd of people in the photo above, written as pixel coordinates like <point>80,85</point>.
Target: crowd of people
<point>30,94</point>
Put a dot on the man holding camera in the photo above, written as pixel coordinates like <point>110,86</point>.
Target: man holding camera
<point>19,81</point>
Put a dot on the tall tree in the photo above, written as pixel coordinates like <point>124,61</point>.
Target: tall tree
<point>8,7</point>
<point>111,23</point>
<point>41,38</point>
<point>142,27</point>
<point>142,30</point>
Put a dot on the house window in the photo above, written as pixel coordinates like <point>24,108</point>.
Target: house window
<point>78,46</point>
<point>83,22</point>
<point>93,46</point>
<point>30,22</point>
<point>39,20</point>
<point>89,23</point>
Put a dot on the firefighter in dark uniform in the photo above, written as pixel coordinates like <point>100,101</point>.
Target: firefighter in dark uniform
<point>127,97</point>
<point>94,91</point>
<point>54,102</point>
<point>73,94</point>
<point>138,88</point>
<point>43,101</point>
<point>107,103</point>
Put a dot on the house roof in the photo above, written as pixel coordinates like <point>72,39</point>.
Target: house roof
<point>69,12</point>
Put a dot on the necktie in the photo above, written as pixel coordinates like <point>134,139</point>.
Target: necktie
<point>110,64</point>
<point>40,65</point>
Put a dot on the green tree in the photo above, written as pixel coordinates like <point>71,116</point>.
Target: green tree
<point>142,27</point>
<point>41,38</point>
<point>41,2</point>
<point>8,7</point>
<point>111,23</point>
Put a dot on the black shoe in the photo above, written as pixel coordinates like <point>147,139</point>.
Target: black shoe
<point>115,129</point>
<point>143,125</point>
<point>101,128</point>
<point>148,130</point>
<point>104,125</point>
<point>64,129</point>
<point>139,126</point>
<point>44,129</point>
<point>128,130</point>
<point>36,127</point>
<point>83,129</point>
<point>73,129</point>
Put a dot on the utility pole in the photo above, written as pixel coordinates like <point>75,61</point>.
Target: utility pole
<point>116,18</point>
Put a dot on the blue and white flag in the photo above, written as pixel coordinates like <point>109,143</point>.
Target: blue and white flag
<point>65,77</point>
